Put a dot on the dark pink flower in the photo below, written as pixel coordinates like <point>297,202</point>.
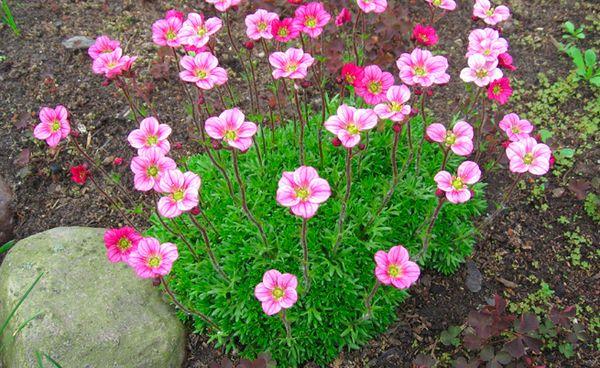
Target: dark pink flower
<point>79,174</point>
<point>500,90</point>
<point>120,243</point>
<point>284,30</point>
<point>374,85</point>
<point>425,35</point>
<point>343,17</point>
<point>352,74</point>
<point>505,61</point>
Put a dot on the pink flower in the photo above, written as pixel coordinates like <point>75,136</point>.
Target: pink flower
<point>515,128</point>
<point>352,74</point>
<point>258,25</point>
<point>457,186</point>
<point>277,291</point>
<point>368,6</point>
<point>120,243</point>
<point>374,85</point>
<point>484,10</point>
<point>53,126</point>
<point>165,32</point>
<point>293,63</point>
<point>174,13</point>
<point>192,50</point>
<point>422,68</point>
<point>506,61</point>
<point>459,139</point>
<point>80,174</point>
<point>343,17</point>
<point>395,108</point>
<point>103,45</point>
<point>151,136</point>
<point>500,90</point>
<point>231,127</point>
<point>149,168</point>
<point>113,64</point>
<point>527,155</point>
<point>284,30</point>
<point>443,4</point>
<point>203,70</point>
<point>425,35</point>
<point>395,268</point>
<point>223,5</point>
<point>349,122</point>
<point>152,259</point>
<point>196,31</point>
<point>480,71</point>
<point>303,191</point>
<point>183,193</point>
<point>486,42</point>
<point>312,18</point>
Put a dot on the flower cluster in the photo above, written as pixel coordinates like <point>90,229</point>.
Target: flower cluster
<point>108,58</point>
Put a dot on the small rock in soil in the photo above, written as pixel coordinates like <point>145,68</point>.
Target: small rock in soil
<point>474,277</point>
<point>78,43</point>
<point>7,212</point>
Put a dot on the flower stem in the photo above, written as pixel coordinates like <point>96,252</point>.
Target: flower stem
<point>228,26</point>
<point>112,201</point>
<point>342,218</point>
<point>369,300</point>
<point>432,221</point>
<point>209,251</point>
<point>305,256</point>
<point>286,324</point>
<point>424,118</point>
<point>187,311</point>
<point>445,161</point>
<point>354,45</point>
<point>302,125</point>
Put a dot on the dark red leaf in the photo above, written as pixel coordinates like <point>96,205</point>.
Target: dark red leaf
<point>23,158</point>
<point>515,348</point>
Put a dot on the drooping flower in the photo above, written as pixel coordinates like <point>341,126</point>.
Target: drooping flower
<point>486,42</point>
<point>103,45</point>
<point>284,30</point>
<point>456,186</point>
<point>293,63</point>
<point>79,174</point>
<point>54,125</point>
<point>152,259</point>
<point>231,126</point>
<point>422,68</point>
<point>277,291</point>
<point>527,155</point>
<point>352,74</point>
<point>368,6</point>
<point>515,128</point>
<point>151,136</point>
<point>224,5</point>
<point>349,122</point>
<point>303,191</point>
<point>425,35</point>
<point>174,13</point>
<point>149,168</point>
<point>113,64</point>
<point>443,4</point>
<point>483,9</point>
<point>343,17</point>
<point>500,90</point>
<point>395,268</point>
<point>311,18</point>
<point>203,70</point>
<point>505,61</point>
<point>165,32</point>
<point>196,31</point>
<point>395,108</point>
<point>480,71</point>
<point>374,85</point>
<point>459,139</point>
<point>258,25</point>
<point>182,190</point>
<point>120,243</point>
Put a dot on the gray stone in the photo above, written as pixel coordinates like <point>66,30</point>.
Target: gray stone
<point>474,277</point>
<point>7,212</point>
<point>90,312</point>
<point>78,43</point>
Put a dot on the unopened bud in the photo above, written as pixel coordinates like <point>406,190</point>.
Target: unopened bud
<point>362,146</point>
<point>414,111</point>
<point>249,45</point>
<point>440,193</point>
<point>418,91</point>
<point>397,128</point>
<point>305,84</point>
<point>336,142</point>
<point>552,160</point>
<point>505,143</point>
<point>195,211</point>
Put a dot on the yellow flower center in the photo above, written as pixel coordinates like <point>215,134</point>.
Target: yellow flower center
<point>171,35</point>
<point>437,2</point>
<point>230,135</point>
<point>528,159</point>
<point>152,171</point>
<point>310,22</point>
<point>292,67</point>
<point>450,139</point>
<point>375,87</point>
<point>282,32</point>
<point>201,74</point>
<point>123,244</point>
<point>487,52</point>
<point>457,183</point>
<point>152,140</point>
<point>420,71</point>
<point>55,125</point>
<point>302,193</point>
<point>394,271</point>
<point>262,26</point>
<point>396,107</point>
<point>278,293</point>
<point>111,64</point>
<point>352,129</point>
<point>497,89</point>
<point>490,12</point>
<point>178,195</point>
<point>202,31</point>
<point>481,73</point>
<point>154,261</point>
<point>515,130</point>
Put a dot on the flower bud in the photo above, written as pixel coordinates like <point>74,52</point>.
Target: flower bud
<point>414,111</point>
<point>429,92</point>
<point>201,100</point>
<point>418,91</point>
<point>249,45</point>
<point>397,128</point>
<point>156,282</point>
<point>552,160</point>
<point>339,80</point>
<point>195,211</point>
<point>177,145</point>
<point>305,84</point>
<point>474,18</point>
<point>472,192</point>
<point>336,142</point>
<point>75,133</point>
<point>362,146</point>
<point>118,161</point>
<point>216,144</point>
<point>505,143</point>
<point>440,193</point>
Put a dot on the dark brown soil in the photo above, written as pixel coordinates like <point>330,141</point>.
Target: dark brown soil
<point>524,245</point>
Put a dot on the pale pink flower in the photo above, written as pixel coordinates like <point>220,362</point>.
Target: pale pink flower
<point>515,128</point>
<point>293,63</point>
<point>113,64</point>
<point>277,291</point>
<point>349,122</point>
<point>196,31</point>
<point>374,84</point>
<point>457,186</point>
<point>103,45</point>
<point>486,42</point>
<point>152,259</point>
<point>527,155</point>
<point>182,190</point>
<point>151,136</point>
<point>368,6</point>
<point>395,108</point>
<point>483,9</point>
<point>312,18</point>
<point>54,125</point>
<point>480,71</point>
<point>149,168</point>
<point>422,68</point>
<point>165,32</point>
<point>231,126</point>
<point>120,243</point>
<point>459,139</point>
<point>224,5</point>
<point>203,70</point>
<point>395,268</point>
<point>303,191</point>
<point>443,4</point>
<point>258,25</point>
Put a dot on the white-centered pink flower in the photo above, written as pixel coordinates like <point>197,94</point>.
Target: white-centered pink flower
<point>151,259</point>
<point>486,42</point>
<point>113,64</point>
<point>165,32</point>
<point>395,268</point>
<point>448,5</point>
<point>480,71</point>
<point>515,127</point>
<point>422,68</point>
<point>277,291</point>
<point>224,5</point>
<point>149,168</point>
<point>459,139</point>
<point>196,31</point>
<point>293,63</point>
<point>457,186</point>
<point>103,45</point>
<point>303,191</point>
<point>203,70</point>
<point>151,136</point>
<point>349,122</point>
<point>395,107</point>
<point>527,155</point>
<point>53,126</point>
<point>376,6</point>
<point>311,18</point>
<point>483,9</point>
<point>258,25</point>
<point>231,126</point>
<point>182,193</point>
